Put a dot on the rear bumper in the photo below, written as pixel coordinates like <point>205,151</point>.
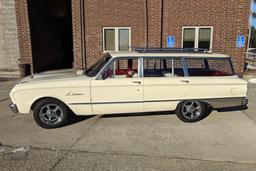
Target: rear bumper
<point>14,108</point>
<point>245,101</point>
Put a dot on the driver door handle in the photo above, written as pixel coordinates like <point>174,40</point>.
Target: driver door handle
<point>136,82</point>
<point>184,81</point>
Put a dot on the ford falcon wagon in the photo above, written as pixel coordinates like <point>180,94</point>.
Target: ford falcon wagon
<point>190,83</point>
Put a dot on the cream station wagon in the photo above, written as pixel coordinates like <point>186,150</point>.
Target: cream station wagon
<point>191,83</point>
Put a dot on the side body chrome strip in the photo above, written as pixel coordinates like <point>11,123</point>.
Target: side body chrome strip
<point>214,102</point>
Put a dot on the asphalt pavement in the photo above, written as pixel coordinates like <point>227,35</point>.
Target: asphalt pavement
<point>157,141</point>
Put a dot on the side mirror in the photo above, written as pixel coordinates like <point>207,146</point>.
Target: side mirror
<point>104,75</point>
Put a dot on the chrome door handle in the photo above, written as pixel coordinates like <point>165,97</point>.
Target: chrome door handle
<point>136,82</point>
<point>184,81</point>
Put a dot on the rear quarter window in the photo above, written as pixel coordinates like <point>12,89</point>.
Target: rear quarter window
<point>209,67</point>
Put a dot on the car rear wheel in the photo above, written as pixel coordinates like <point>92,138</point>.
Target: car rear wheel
<point>50,113</point>
<point>192,111</point>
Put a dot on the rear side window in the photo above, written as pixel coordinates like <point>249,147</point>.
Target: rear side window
<point>162,67</point>
<point>209,67</point>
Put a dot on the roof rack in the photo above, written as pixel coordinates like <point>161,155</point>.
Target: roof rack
<point>173,50</point>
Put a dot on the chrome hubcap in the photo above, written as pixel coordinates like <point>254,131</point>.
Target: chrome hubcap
<point>191,109</point>
<point>51,114</point>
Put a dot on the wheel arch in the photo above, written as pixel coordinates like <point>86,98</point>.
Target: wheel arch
<point>47,97</point>
<point>206,102</point>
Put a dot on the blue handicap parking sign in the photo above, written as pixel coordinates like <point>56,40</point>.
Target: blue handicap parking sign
<point>170,41</point>
<point>240,41</point>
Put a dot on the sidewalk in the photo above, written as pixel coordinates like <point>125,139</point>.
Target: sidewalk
<point>5,88</point>
<point>6,75</point>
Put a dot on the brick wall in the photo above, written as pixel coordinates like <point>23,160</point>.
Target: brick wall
<point>23,32</point>
<point>228,18</point>
<point>114,13</point>
<point>9,51</point>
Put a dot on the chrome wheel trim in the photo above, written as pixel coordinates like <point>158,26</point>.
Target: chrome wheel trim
<point>51,114</point>
<point>191,109</point>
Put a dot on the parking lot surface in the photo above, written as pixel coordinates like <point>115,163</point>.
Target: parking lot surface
<point>157,141</point>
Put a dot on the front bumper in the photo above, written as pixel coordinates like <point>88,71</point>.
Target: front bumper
<point>14,108</point>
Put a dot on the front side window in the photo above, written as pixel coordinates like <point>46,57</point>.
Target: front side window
<point>209,67</point>
<point>116,39</point>
<point>121,68</point>
<point>197,37</point>
<point>162,67</point>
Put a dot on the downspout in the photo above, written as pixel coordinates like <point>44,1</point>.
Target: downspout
<point>146,23</point>
<point>250,26</point>
<point>82,23</point>
<point>162,23</point>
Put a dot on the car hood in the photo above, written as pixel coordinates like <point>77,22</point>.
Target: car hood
<point>51,76</point>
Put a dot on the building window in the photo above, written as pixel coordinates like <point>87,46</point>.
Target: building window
<point>116,39</point>
<point>197,37</point>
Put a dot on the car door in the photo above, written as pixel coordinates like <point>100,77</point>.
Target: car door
<point>118,88</point>
<point>164,83</point>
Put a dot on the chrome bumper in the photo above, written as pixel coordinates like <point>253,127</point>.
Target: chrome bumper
<point>14,108</point>
<point>245,101</point>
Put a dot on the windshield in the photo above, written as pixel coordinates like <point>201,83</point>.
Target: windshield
<point>94,69</point>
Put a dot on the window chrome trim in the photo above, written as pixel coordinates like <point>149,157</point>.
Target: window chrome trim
<point>141,71</point>
<point>173,69</point>
<point>185,67</point>
<point>99,73</point>
<point>232,66</point>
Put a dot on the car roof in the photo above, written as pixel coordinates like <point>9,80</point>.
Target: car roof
<point>193,55</point>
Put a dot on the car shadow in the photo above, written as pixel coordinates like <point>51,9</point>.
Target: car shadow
<point>74,119</point>
<point>233,109</point>
<point>138,114</point>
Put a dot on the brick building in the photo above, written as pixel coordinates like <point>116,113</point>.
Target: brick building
<point>58,34</point>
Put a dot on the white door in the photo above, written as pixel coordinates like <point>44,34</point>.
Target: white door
<point>119,89</point>
<point>164,84</point>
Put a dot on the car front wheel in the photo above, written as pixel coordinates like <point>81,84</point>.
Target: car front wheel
<point>192,111</point>
<point>50,113</point>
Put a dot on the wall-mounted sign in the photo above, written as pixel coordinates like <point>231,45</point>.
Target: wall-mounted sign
<point>170,41</point>
<point>240,41</point>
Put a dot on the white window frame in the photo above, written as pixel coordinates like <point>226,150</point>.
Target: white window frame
<point>197,28</point>
<point>116,38</point>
